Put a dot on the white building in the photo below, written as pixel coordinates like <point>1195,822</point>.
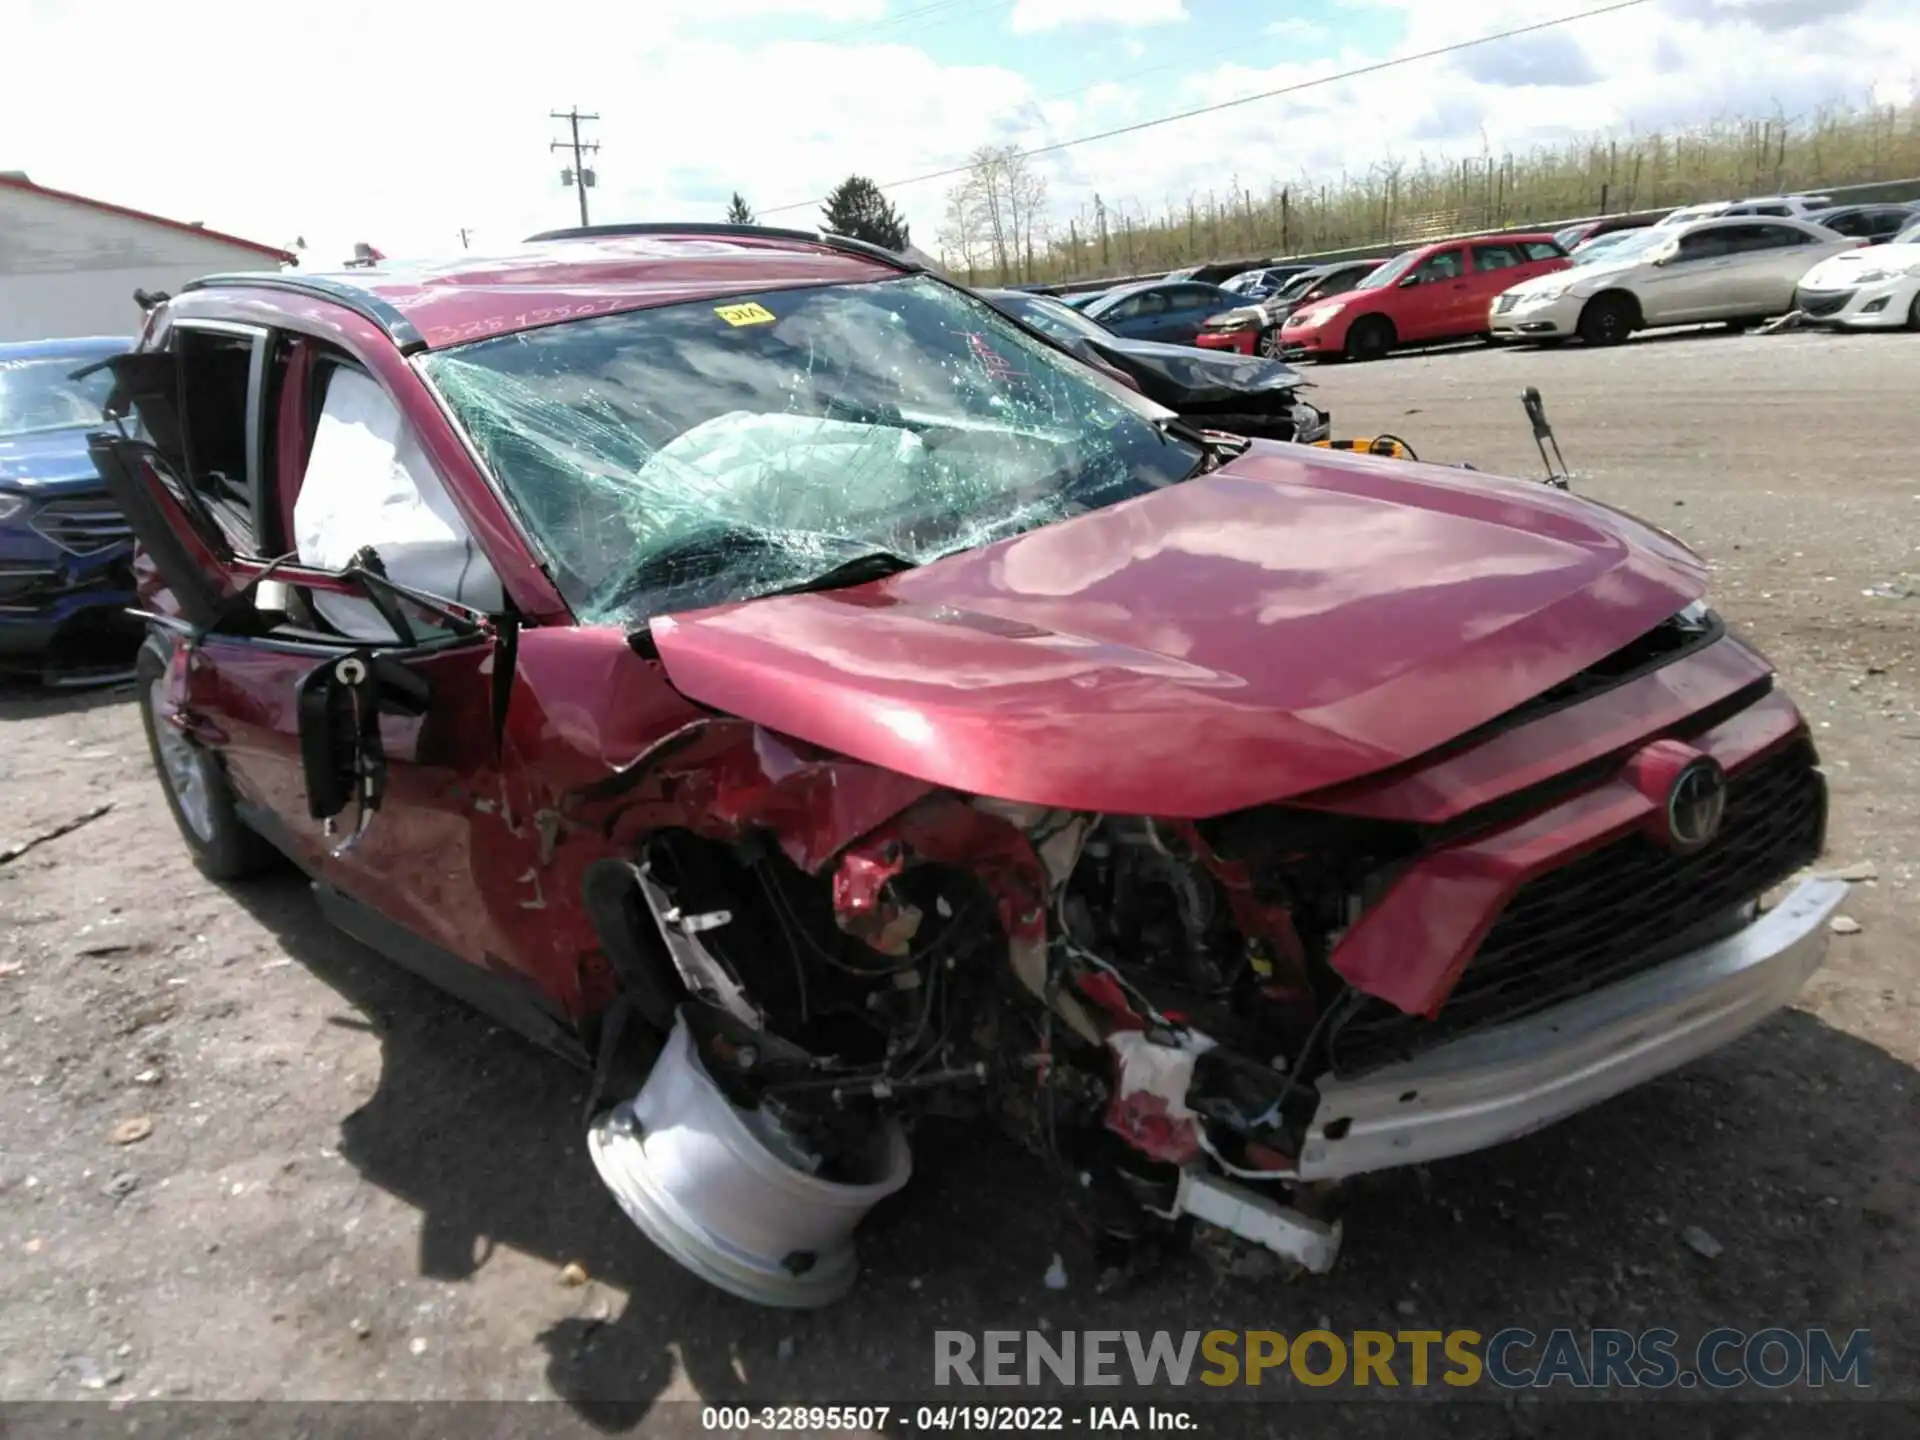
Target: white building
<point>69,265</point>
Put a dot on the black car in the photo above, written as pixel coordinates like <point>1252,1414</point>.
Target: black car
<point>1217,389</point>
<point>1875,224</point>
<point>1309,285</point>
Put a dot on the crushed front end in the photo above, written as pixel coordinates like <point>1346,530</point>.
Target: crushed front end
<point>1199,1021</point>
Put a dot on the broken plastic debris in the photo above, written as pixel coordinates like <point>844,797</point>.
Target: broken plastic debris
<point>1844,925</point>
<point>1859,870</point>
<point>1056,1276</point>
<point>1701,1243</point>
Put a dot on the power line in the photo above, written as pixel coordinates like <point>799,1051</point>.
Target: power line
<point>1371,69</point>
<point>578,175</point>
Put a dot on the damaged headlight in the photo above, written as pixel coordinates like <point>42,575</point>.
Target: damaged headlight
<point>1543,297</point>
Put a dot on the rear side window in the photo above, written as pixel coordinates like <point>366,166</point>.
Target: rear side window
<point>1495,257</point>
<point>1704,245</point>
<point>1744,239</point>
<point>1887,222</point>
<point>219,375</point>
<point>1541,250</point>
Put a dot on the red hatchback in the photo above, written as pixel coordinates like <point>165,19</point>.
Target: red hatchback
<point>763,673</point>
<point>1438,292</point>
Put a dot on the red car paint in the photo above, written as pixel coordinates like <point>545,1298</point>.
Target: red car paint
<point>1300,617</point>
<point>1418,307</point>
<point>1242,336</point>
<point>1411,945</point>
<point>1296,624</point>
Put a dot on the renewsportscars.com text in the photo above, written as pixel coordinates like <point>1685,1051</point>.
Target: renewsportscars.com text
<point>1509,1359</point>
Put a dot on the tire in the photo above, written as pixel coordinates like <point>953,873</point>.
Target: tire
<point>195,783</point>
<point>1369,338</point>
<point>1913,313</point>
<point>1608,319</point>
<point>1269,345</point>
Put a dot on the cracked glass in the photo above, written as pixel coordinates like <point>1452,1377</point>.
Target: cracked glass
<point>717,450</point>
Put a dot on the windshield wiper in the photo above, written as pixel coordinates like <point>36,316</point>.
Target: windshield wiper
<point>860,570</point>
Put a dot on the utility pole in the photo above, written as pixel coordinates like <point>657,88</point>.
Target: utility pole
<point>578,176</point>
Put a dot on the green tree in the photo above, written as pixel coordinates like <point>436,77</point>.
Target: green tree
<point>857,209</point>
<point>738,213</point>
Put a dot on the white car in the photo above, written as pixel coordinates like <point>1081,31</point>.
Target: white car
<point>1687,214</point>
<point>1876,288</point>
<point>1737,270</point>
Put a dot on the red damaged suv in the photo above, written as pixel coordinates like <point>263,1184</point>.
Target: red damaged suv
<point>766,674</point>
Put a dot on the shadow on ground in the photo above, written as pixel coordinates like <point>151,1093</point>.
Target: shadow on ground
<point>30,700</point>
<point>1795,1143</point>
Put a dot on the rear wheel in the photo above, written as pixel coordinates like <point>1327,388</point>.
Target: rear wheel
<point>1608,319</point>
<point>1370,337</point>
<point>195,782</point>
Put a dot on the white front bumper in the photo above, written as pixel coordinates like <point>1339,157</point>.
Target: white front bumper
<point>1885,304</point>
<point>1534,322</point>
<point>1507,1082</point>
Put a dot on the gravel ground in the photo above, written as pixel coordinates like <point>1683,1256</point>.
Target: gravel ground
<point>344,1185</point>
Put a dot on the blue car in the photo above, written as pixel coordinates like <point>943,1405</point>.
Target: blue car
<point>66,555</point>
<point>1171,312</point>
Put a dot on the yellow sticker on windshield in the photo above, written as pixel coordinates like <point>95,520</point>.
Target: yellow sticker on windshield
<point>747,314</point>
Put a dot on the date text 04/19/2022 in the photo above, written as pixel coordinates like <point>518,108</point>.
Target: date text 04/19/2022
<point>742,1419</point>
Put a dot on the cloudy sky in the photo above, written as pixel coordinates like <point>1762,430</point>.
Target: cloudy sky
<point>402,122</point>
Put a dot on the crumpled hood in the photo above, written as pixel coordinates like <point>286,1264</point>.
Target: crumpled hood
<point>53,462</point>
<point>1296,619</point>
<point>1179,375</point>
<point>1839,272</point>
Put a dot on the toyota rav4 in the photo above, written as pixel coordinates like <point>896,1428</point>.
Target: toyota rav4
<point>769,676</point>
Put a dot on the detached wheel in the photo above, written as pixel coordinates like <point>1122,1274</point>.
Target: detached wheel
<point>1608,319</point>
<point>195,783</point>
<point>1370,337</point>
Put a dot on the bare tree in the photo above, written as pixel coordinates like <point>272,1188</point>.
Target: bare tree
<point>996,212</point>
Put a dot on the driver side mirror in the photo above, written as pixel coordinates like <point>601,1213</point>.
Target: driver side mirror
<point>1409,281</point>
<point>339,705</point>
<point>1665,255</point>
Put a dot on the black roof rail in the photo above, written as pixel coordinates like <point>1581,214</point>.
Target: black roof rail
<point>845,243</point>
<point>363,303</point>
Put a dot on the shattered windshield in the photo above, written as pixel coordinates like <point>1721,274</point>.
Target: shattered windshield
<point>37,395</point>
<point>720,449</point>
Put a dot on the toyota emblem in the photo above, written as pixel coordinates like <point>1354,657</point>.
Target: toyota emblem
<point>1696,804</point>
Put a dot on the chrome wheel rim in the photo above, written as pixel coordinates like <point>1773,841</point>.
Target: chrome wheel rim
<point>184,766</point>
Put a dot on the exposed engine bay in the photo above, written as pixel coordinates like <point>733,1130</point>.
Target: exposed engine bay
<point>1123,997</point>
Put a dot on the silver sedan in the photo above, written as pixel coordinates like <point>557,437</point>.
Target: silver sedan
<point>1736,270</point>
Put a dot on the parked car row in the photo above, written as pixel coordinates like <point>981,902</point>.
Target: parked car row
<point>1493,286</point>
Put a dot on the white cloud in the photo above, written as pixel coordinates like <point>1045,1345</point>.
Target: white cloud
<point>1030,17</point>
<point>1298,31</point>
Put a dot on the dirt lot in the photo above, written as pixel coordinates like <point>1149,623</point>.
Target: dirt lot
<point>353,1187</point>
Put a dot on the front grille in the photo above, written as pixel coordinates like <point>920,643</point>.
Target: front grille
<point>1822,302</point>
<point>1505,303</point>
<point>83,524</point>
<point>1613,912</point>
<point>26,587</point>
